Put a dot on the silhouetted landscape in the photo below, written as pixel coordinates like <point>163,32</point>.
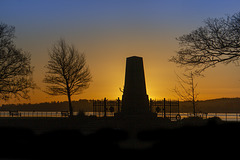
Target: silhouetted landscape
<point>104,41</point>
<point>134,130</point>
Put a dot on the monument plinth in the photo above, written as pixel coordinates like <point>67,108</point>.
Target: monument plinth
<point>135,100</point>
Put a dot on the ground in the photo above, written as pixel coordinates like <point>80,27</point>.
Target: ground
<point>35,138</point>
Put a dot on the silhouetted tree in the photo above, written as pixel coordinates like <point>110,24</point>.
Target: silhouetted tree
<point>67,72</point>
<point>15,67</point>
<point>216,42</point>
<point>186,89</point>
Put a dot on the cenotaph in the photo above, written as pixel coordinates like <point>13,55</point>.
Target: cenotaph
<point>135,102</point>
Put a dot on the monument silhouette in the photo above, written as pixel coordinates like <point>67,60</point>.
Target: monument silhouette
<point>135,102</point>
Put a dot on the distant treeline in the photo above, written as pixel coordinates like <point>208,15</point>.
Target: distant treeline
<point>221,105</point>
<point>81,105</point>
<point>206,106</point>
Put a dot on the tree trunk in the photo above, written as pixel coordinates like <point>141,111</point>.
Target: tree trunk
<point>193,102</point>
<point>193,95</point>
<point>70,105</point>
<point>69,100</point>
<point>194,111</point>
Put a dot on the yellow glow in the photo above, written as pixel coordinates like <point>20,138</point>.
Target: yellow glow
<point>106,59</point>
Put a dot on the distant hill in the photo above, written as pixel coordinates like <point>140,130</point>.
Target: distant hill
<point>214,105</point>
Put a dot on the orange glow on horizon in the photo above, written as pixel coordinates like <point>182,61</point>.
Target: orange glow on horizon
<point>159,83</point>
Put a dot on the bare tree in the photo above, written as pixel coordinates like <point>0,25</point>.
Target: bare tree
<point>67,72</point>
<point>15,67</point>
<point>186,89</point>
<point>216,42</point>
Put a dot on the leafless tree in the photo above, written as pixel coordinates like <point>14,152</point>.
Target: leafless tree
<point>15,67</point>
<point>186,89</point>
<point>67,72</point>
<point>216,42</point>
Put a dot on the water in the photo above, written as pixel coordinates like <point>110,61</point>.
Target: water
<point>231,117</point>
<point>99,114</point>
<point>33,114</point>
<point>50,114</point>
<point>226,116</point>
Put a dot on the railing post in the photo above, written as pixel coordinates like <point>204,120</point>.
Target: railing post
<point>105,107</point>
<point>164,108</point>
<point>178,106</point>
<point>150,105</point>
<point>170,106</point>
<point>93,108</point>
<point>118,104</point>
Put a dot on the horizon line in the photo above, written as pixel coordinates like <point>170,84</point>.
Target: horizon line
<point>167,99</point>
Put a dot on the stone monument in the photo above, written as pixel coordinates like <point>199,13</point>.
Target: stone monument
<point>135,100</point>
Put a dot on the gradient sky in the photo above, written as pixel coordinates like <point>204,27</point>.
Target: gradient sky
<point>108,31</point>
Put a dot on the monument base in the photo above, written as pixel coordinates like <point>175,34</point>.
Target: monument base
<point>135,122</point>
<point>136,116</point>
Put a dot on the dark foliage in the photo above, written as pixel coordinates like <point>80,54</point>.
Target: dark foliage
<point>218,41</point>
<point>67,72</point>
<point>15,67</point>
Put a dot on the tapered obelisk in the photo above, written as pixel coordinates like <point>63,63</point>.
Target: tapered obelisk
<point>135,99</point>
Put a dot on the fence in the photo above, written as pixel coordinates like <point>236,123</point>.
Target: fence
<point>224,116</point>
<point>105,107</point>
<point>165,108</point>
<point>34,114</point>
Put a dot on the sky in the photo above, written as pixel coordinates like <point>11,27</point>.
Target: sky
<point>109,31</point>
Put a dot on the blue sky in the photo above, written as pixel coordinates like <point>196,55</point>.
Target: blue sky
<point>108,31</point>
